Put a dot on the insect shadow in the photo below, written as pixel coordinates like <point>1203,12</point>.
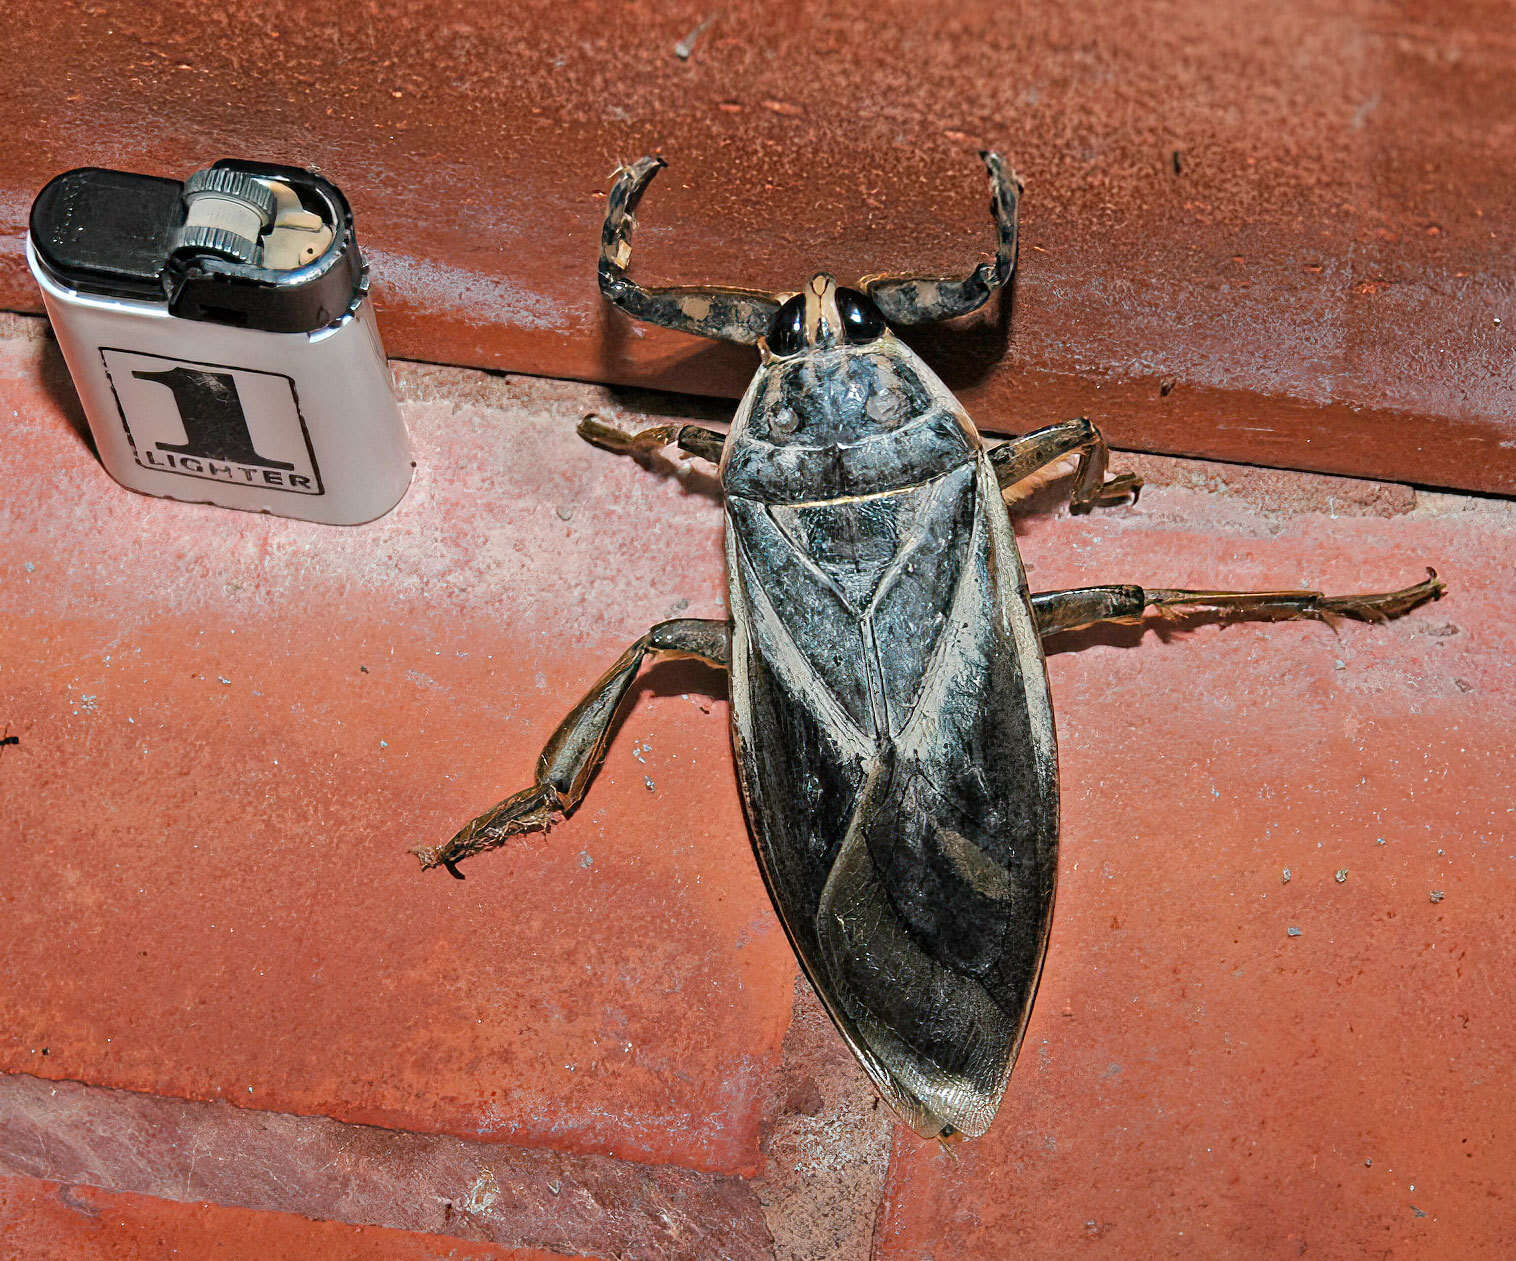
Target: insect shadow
<point>963,352</point>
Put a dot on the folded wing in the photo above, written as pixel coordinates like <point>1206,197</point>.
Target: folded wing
<point>902,790</point>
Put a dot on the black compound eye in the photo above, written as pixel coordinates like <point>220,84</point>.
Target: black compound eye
<point>861,320</point>
<point>786,333</point>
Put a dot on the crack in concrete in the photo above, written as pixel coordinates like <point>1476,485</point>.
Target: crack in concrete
<point>826,1145</point>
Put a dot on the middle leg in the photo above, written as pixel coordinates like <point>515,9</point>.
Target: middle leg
<point>691,439</point>
<point>1019,458</point>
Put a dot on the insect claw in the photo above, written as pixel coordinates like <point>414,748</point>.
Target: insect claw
<point>530,810</point>
<point>639,171</point>
<point>1122,486</point>
<point>433,856</point>
<point>1381,608</point>
<point>947,1144</point>
<point>609,438</point>
<point>598,434</point>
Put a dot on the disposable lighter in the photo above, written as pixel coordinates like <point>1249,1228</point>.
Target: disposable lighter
<point>220,337</point>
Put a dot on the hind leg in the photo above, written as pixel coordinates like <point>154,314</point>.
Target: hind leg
<point>574,753</point>
<point>1086,606</point>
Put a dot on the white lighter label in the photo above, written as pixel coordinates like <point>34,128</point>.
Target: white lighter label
<point>213,422</point>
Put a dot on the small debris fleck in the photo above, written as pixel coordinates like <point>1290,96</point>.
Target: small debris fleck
<point>1292,931</point>
<point>1417,1211</point>
<point>1166,386</point>
<point>565,512</point>
<point>1436,895</point>
<point>223,679</point>
<point>648,780</point>
<point>1369,1163</point>
<point>1177,160</point>
<point>483,1194</point>
<point>1339,664</point>
<point>1341,876</point>
<point>585,859</point>
<point>362,669</point>
<point>1284,876</point>
<point>686,46</point>
<point>384,744</point>
<point>7,740</point>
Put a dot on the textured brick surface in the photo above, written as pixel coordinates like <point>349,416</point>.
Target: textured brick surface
<point>1197,1080</point>
<point>231,727</point>
<point>1281,234</point>
<point>280,710</point>
<point>322,1169</point>
<point>53,1221</point>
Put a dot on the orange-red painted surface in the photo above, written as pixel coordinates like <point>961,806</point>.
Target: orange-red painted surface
<point>231,728</point>
<point>286,713</point>
<point>1281,235</point>
<point>50,1221</point>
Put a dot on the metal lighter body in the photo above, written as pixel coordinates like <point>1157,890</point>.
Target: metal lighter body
<point>220,337</point>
